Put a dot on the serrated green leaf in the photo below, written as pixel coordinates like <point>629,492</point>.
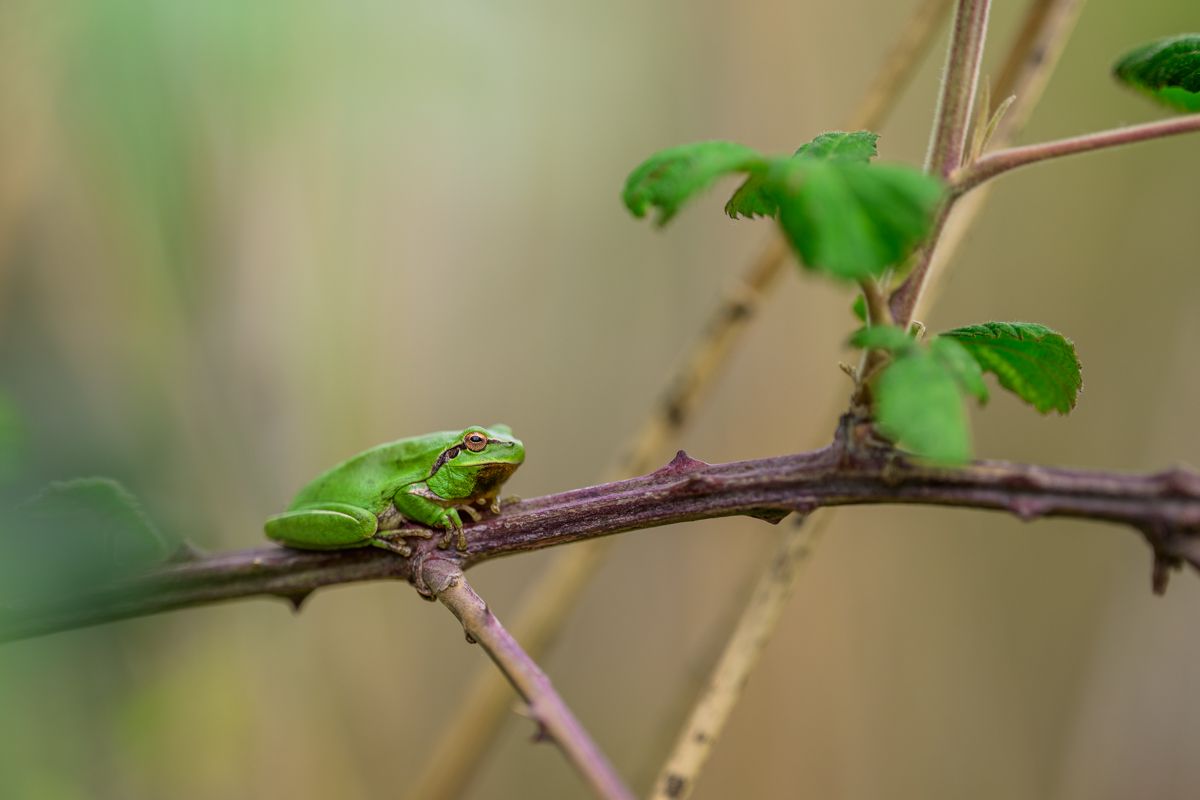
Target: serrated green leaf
<point>852,220</point>
<point>959,362</point>
<point>1037,364</point>
<point>919,405</point>
<point>853,146</point>
<point>74,535</point>
<point>859,308</point>
<point>1168,70</point>
<point>883,337</point>
<point>671,177</point>
<point>751,201</point>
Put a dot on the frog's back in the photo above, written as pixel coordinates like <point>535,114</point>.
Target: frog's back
<point>371,478</point>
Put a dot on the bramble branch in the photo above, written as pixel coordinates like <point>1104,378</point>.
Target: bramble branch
<point>854,470</point>
<point>550,600</point>
<point>554,719</point>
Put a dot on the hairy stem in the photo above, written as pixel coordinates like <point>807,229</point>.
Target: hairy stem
<point>1026,71</point>
<point>1002,161</point>
<point>554,719</point>
<point>960,78</point>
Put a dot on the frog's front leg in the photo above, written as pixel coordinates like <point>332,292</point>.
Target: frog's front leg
<point>419,503</point>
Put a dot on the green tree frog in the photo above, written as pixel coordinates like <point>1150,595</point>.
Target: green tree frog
<point>428,479</point>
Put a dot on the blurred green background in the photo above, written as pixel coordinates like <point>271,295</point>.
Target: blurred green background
<point>240,241</point>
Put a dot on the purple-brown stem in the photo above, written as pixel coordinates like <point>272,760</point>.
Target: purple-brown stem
<point>1164,506</point>
<point>904,299</point>
<point>546,708</point>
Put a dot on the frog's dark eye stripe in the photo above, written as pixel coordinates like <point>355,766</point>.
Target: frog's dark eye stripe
<point>475,442</point>
<point>444,457</point>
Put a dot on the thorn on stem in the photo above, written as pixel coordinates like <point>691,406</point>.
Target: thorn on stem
<point>682,462</point>
<point>296,599</point>
<point>771,515</point>
<point>1163,565</point>
<point>1028,508</point>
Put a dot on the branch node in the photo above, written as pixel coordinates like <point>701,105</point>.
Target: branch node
<point>675,786</point>
<point>1024,479</point>
<point>433,576</point>
<point>1179,480</point>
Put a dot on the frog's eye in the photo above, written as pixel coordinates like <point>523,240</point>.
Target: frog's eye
<point>475,442</point>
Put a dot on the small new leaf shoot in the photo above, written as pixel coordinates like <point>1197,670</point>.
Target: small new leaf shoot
<point>883,337</point>
<point>859,308</point>
<point>919,405</point>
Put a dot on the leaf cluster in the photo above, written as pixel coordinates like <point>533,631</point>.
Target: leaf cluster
<point>848,218</point>
<point>920,394</point>
<point>843,216</point>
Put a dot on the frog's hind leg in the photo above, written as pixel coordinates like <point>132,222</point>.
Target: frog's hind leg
<point>324,526</point>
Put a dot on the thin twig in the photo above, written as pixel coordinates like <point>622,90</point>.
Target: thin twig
<point>1025,73</point>
<point>755,628</point>
<point>1164,507</point>
<point>552,599</point>
<point>487,700</point>
<point>554,719</point>
<point>951,128</point>
<point>1002,161</point>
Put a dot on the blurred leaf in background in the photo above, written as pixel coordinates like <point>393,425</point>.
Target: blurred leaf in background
<point>74,536</point>
<point>12,439</point>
